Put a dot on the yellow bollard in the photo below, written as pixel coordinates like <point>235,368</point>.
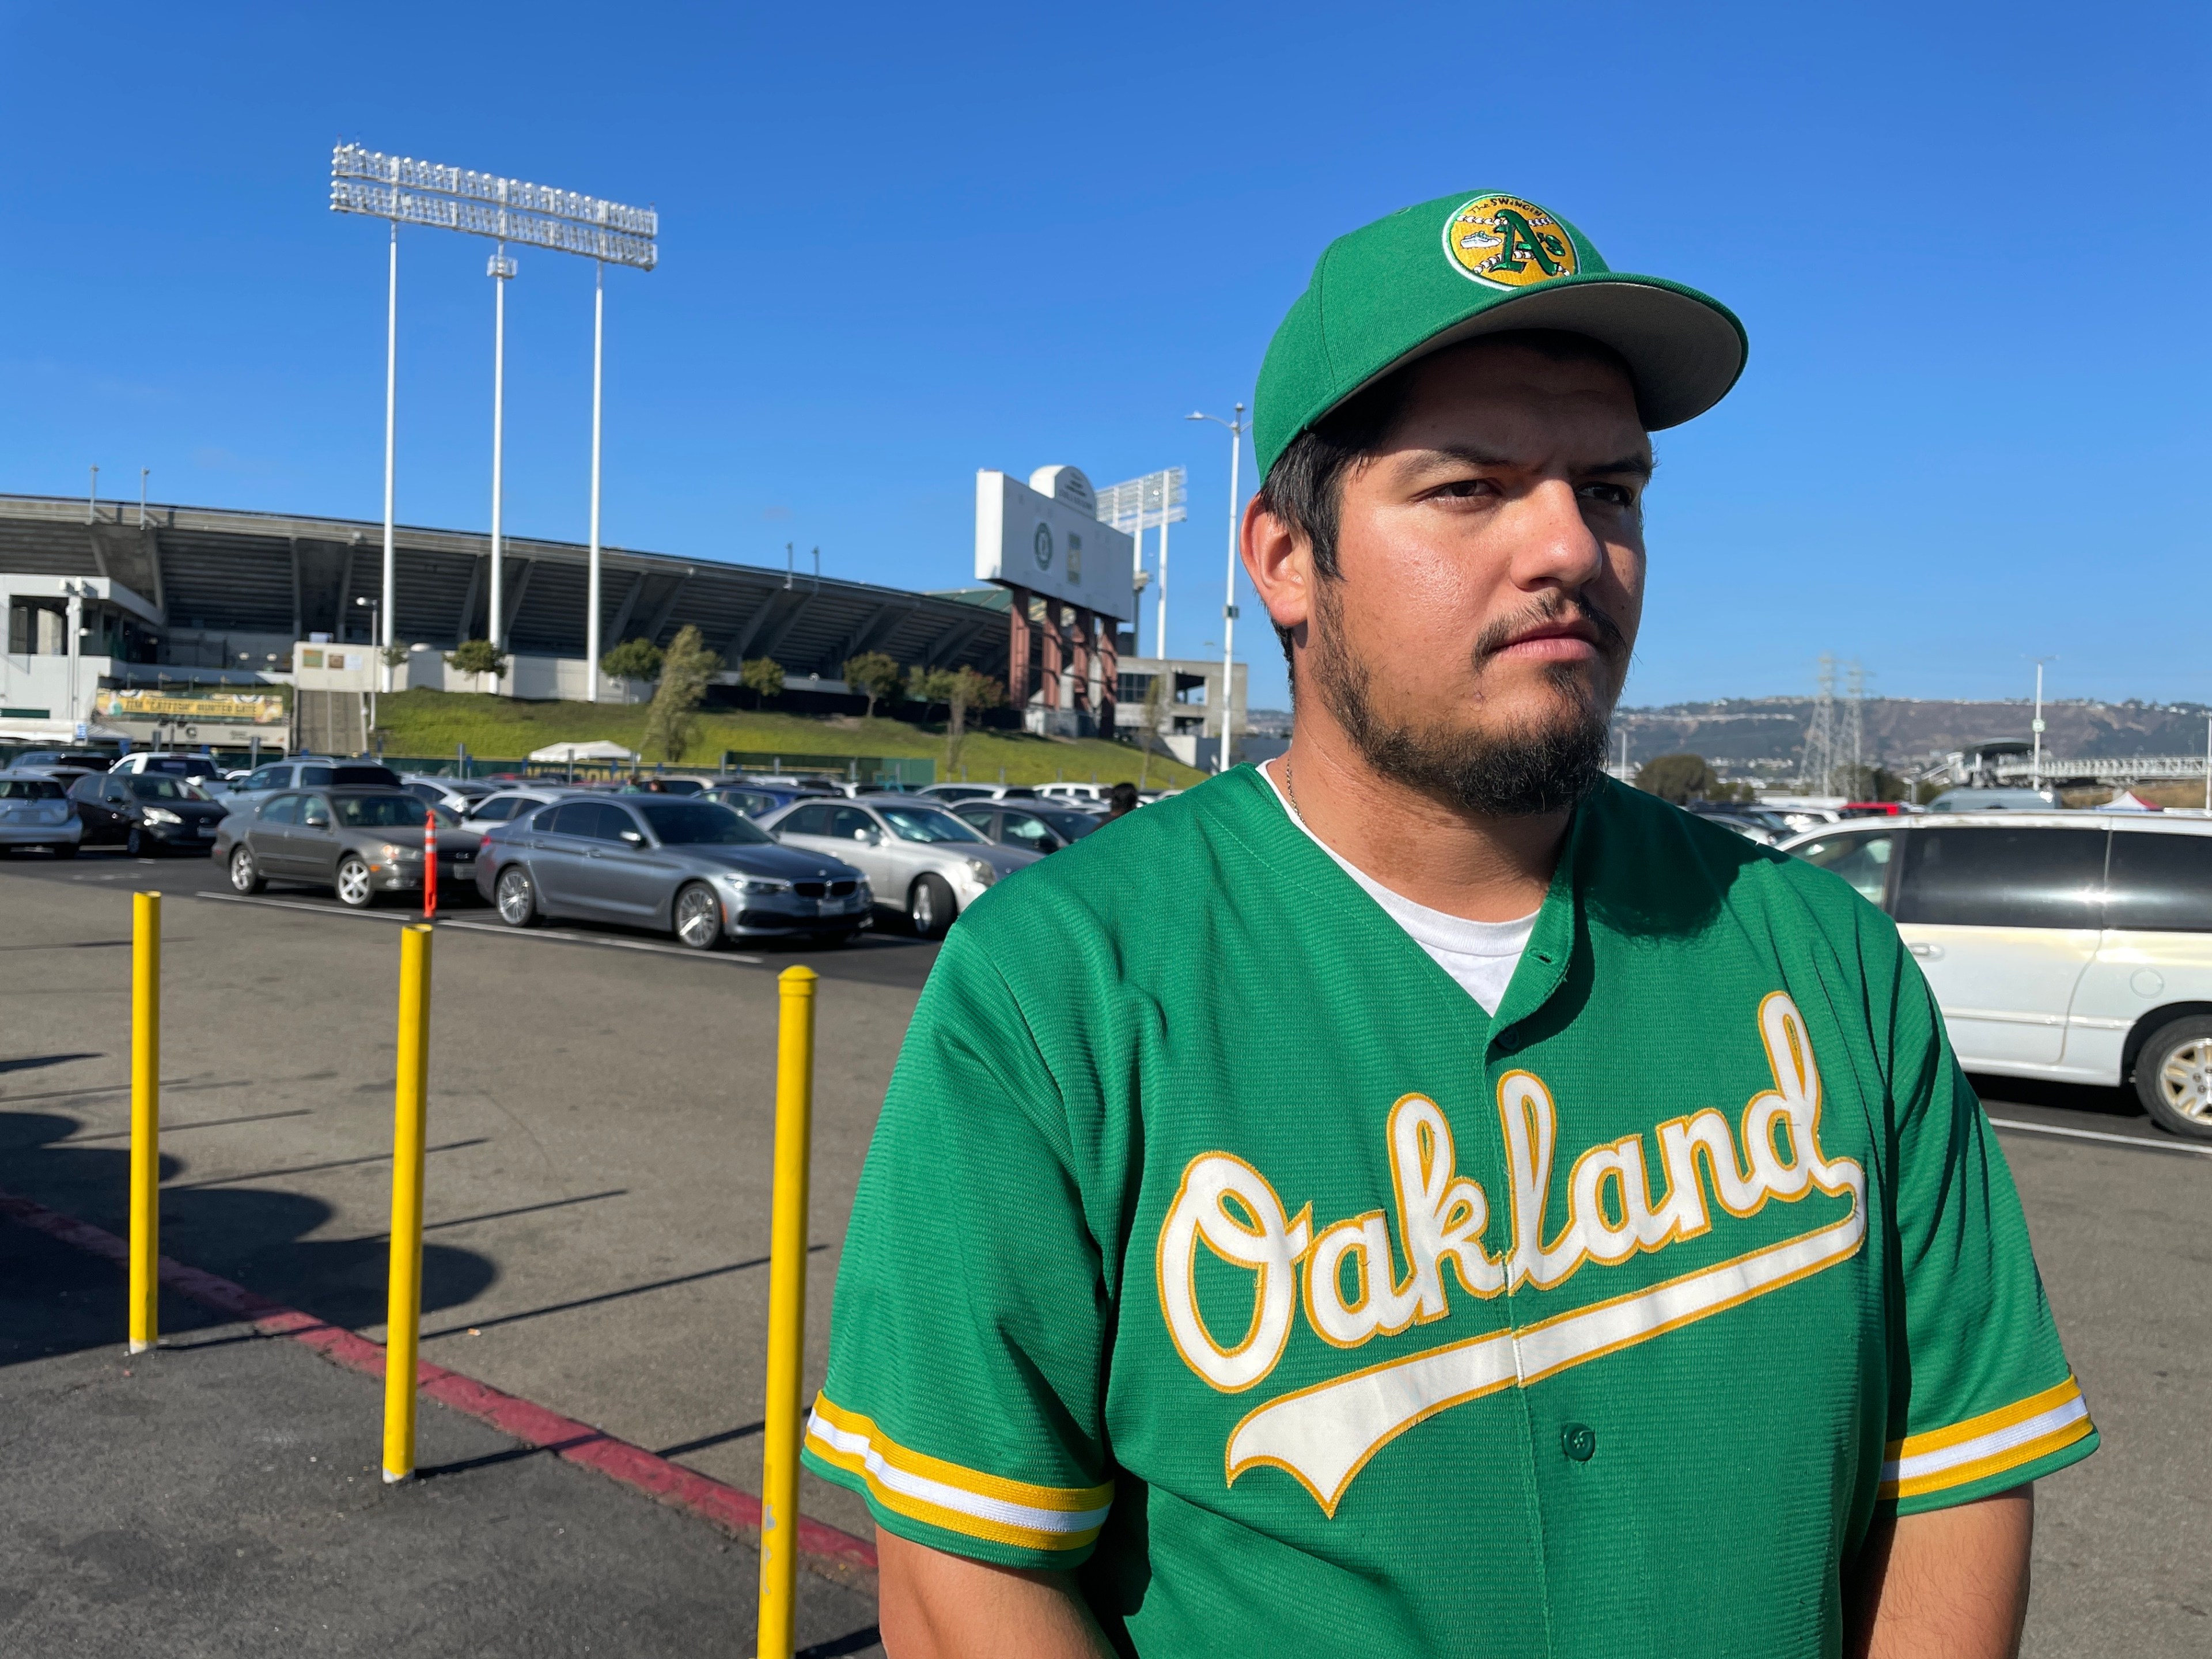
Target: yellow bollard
<point>786,1313</point>
<point>403,1315</point>
<point>145,1120</point>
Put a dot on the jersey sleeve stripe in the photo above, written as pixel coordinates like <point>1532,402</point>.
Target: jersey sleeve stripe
<point>1974,1428</point>
<point>947,1495</point>
<point>2014,1445</point>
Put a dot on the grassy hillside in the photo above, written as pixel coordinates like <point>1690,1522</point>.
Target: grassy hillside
<point>427,723</point>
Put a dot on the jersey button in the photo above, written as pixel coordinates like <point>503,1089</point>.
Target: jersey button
<point>1578,1441</point>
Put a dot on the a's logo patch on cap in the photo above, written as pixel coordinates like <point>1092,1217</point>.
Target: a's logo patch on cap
<point>1508,242</point>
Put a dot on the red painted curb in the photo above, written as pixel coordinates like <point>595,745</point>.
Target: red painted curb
<point>834,1554</point>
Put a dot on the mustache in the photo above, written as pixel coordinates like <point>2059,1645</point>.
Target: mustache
<point>1551,608</point>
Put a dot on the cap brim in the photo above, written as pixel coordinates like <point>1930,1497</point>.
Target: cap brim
<point>1683,350</point>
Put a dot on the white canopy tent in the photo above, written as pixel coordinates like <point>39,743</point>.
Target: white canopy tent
<point>568,754</point>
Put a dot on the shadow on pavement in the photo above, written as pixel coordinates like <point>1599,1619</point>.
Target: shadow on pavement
<point>256,1237</point>
<point>2060,1097</point>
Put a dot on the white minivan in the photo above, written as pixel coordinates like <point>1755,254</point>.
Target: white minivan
<point>2075,946</point>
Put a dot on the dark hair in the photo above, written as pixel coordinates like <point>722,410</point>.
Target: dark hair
<point>1305,487</point>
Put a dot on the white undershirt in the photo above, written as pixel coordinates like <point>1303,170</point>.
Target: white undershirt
<point>1480,955</point>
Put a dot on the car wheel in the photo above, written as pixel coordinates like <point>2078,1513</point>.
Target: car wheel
<point>697,916</point>
<point>135,843</point>
<point>245,874</point>
<point>355,891</point>
<point>2173,1077</point>
<point>516,896</point>
<point>929,906</point>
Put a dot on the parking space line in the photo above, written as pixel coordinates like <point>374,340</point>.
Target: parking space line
<point>2142,1142</point>
<point>551,935</point>
<point>402,918</point>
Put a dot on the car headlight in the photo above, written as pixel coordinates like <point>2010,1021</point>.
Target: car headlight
<point>983,873</point>
<point>162,815</point>
<point>396,852</point>
<point>758,883</point>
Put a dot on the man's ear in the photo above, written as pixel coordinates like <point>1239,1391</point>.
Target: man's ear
<point>1278,558</point>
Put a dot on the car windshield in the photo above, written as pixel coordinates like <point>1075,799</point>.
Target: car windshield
<point>1073,825</point>
<point>698,823</point>
<point>924,824</point>
<point>382,812</point>
<point>30,789</point>
<point>159,786</point>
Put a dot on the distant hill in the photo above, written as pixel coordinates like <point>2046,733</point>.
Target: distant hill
<point>1743,731</point>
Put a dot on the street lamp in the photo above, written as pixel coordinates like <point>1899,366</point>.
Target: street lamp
<point>1229,601</point>
<point>2035,765</point>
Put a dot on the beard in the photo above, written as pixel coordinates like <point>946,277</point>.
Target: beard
<point>1546,765</point>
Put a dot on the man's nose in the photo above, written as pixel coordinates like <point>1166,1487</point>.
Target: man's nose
<point>1556,547</point>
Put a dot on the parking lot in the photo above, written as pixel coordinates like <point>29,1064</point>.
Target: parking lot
<point>601,1105</point>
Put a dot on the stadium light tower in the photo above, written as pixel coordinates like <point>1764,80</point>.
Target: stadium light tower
<point>1135,506</point>
<point>405,190</point>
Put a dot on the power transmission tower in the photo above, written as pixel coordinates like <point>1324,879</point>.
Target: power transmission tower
<point>1850,740</point>
<point>1820,734</point>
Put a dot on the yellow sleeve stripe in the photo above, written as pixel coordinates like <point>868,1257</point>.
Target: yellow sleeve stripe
<point>2009,1437</point>
<point>963,1500</point>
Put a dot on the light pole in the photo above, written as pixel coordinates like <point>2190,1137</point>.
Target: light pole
<point>391,395</point>
<point>2035,765</point>
<point>1229,600</point>
<point>592,613</point>
<point>78,593</point>
<point>501,270</point>
<point>376,644</point>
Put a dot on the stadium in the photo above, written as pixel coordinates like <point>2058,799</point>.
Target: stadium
<point>175,597</point>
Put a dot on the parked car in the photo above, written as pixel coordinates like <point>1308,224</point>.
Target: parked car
<point>456,795</point>
<point>37,811</point>
<point>203,769</point>
<point>1038,828</point>
<point>146,812</point>
<point>1751,823</point>
<point>306,772</point>
<point>920,858</point>
<point>947,795</point>
<point>1076,793</point>
<point>360,843</point>
<point>503,804</point>
<point>757,798</point>
<point>667,786</point>
<point>695,868</point>
<point>66,764</point>
<point>2070,945</point>
<point>1994,800</point>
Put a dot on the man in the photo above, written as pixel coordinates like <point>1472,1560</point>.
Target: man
<point>1121,801</point>
<point>1425,1198</point>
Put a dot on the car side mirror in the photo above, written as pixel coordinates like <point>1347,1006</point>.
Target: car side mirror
<point>634,837</point>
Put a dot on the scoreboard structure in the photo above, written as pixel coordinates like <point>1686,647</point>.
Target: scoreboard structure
<point>1069,579</point>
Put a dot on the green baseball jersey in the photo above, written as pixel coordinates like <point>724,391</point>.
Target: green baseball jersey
<point>1214,1242</point>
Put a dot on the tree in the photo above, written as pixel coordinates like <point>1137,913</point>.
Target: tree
<point>685,669</point>
<point>633,659</point>
<point>929,687</point>
<point>395,656</point>
<point>763,675</point>
<point>477,657</point>
<point>875,676</point>
<point>966,689</point>
<point>1682,778</point>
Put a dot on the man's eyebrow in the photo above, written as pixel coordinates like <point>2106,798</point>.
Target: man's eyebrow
<point>1638,465</point>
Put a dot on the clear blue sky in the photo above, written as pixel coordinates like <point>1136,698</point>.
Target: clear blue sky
<point>901,243</point>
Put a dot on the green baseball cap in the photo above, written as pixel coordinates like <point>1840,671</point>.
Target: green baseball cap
<point>1478,263</point>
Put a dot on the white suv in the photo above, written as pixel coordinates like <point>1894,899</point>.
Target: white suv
<point>2075,946</point>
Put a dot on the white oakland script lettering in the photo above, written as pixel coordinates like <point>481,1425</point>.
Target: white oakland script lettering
<point>1352,1292</point>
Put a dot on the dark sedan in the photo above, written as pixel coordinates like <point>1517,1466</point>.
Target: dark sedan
<point>694,867</point>
<point>146,812</point>
<point>1037,826</point>
<point>360,843</point>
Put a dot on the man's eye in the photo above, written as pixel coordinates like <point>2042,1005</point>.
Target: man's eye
<point>1611,495</point>
<point>1462,488</point>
